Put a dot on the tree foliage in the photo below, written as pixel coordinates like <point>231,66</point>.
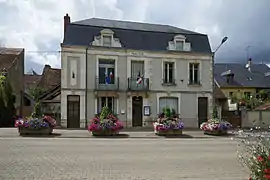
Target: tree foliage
<point>36,92</point>
<point>215,113</point>
<point>7,100</point>
<point>37,113</point>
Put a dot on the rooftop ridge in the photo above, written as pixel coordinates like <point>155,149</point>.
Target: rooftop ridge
<point>83,23</point>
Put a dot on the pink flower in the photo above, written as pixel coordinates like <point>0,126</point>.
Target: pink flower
<point>19,123</point>
<point>50,120</point>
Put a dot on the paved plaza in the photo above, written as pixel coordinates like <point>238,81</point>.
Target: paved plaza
<point>30,158</point>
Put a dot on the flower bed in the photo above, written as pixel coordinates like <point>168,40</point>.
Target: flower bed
<point>215,127</point>
<point>168,123</point>
<point>106,124</point>
<point>35,126</point>
<point>254,153</point>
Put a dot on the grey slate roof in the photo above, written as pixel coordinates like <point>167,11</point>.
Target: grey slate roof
<point>132,26</point>
<point>242,77</point>
<point>133,35</point>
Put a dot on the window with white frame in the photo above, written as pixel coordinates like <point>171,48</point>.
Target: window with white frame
<point>106,71</point>
<point>107,40</point>
<point>194,74</point>
<point>168,73</point>
<point>106,101</point>
<point>168,102</point>
<point>179,45</point>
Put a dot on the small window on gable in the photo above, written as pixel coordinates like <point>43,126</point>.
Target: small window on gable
<point>107,40</point>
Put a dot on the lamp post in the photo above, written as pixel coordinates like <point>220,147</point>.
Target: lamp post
<point>213,66</point>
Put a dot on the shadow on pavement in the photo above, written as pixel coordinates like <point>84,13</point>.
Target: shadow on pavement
<point>113,136</point>
<point>222,136</point>
<point>53,135</point>
<point>178,136</point>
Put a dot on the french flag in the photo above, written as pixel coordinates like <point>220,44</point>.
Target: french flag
<point>139,78</point>
<point>107,79</point>
<point>111,75</point>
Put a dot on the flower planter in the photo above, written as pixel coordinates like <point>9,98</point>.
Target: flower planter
<point>169,132</point>
<point>216,132</point>
<point>162,129</point>
<point>30,131</point>
<point>215,127</point>
<point>35,126</point>
<point>107,132</point>
<point>105,124</point>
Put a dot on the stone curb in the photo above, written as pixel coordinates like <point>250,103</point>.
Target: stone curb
<point>121,136</point>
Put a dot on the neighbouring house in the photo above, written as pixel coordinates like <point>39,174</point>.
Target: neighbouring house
<point>220,99</point>
<point>51,77</point>
<point>242,80</point>
<point>30,81</point>
<point>50,99</point>
<point>50,102</point>
<point>48,81</point>
<point>12,64</point>
<point>136,69</point>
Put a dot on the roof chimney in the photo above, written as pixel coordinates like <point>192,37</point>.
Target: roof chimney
<point>46,68</point>
<point>66,22</point>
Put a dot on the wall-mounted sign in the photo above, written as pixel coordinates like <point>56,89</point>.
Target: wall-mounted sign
<point>147,111</point>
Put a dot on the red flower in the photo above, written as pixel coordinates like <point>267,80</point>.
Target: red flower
<point>260,159</point>
<point>250,178</point>
<point>267,170</point>
<point>267,176</point>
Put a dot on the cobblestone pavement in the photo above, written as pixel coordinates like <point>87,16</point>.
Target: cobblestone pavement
<point>64,133</point>
<point>118,159</point>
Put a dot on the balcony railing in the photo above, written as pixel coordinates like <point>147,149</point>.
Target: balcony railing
<point>109,85</point>
<point>135,85</point>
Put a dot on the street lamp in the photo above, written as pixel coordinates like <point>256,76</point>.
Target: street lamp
<point>213,66</point>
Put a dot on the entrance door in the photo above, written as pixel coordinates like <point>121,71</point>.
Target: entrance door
<point>137,106</point>
<point>73,112</point>
<point>202,110</point>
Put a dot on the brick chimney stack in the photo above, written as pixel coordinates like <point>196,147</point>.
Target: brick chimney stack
<point>66,22</point>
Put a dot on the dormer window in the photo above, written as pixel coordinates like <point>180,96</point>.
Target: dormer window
<point>179,43</point>
<point>107,40</point>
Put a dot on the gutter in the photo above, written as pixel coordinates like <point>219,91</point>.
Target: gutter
<point>86,84</point>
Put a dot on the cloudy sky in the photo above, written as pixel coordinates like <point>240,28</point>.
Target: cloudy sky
<point>37,25</point>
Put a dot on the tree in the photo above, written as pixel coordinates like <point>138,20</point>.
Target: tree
<point>37,113</point>
<point>36,92</point>
<point>215,113</point>
<point>7,100</point>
